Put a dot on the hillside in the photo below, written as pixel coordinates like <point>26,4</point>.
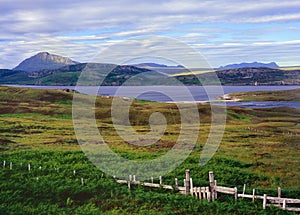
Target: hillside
<point>68,75</point>
<point>246,76</point>
<point>280,95</point>
<point>259,148</point>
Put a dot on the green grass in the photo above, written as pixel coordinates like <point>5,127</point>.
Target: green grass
<point>280,95</point>
<point>54,189</point>
<point>260,148</point>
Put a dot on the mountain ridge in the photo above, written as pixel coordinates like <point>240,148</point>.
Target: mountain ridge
<point>256,64</point>
<point>44,60</point>
<point>158,74</point>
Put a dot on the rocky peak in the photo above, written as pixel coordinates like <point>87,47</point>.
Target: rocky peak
<point>44,60</point>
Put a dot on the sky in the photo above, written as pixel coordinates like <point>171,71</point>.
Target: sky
<point>224,32</point>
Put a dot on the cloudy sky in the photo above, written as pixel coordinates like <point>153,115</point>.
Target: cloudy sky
<point>225,31</point>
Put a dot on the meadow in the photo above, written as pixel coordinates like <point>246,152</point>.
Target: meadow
<point>260,148</point>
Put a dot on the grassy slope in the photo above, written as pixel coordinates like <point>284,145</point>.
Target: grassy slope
<point>36,127</point>
<point>280,95</point>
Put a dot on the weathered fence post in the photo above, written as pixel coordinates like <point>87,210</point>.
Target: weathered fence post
<point>4,163</point>
<point>265,201</point>
<point>216,193</point>
<point>128,184</point>
<point>253,195</point>
<point>152,180</point>
<point>134,178</point>
<point>74,172</point>
<point>212,184</point>
<point>82,181</point>
<point>130,177</point>
<point>235,193</point>
<point>208,194</point>
<point>284,204</point>
<point>176,183</point>
<point>10,166</point>
<point>244,189</point>
<point>29,167</point>
<point>160,180</point>
<point>187,182</point>
<point>191,186</point>
<point>279,195</point>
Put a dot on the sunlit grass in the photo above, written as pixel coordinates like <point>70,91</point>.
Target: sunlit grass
<point>259,147</point>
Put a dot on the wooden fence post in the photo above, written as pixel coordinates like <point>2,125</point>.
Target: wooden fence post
<point>134,178</point>
<point>128,184</point>
<point>235,193</point>
<point>284,204</point>
<point>160,180</point>
<point>152,180</point>
<point>176,183</point>
<point>208,194</point>
<point>82,181</point>
<point>29,167</point>
<point>253,195</point>
<point>216,193</point>
<point>191,186</point>
<point>10,166</point>
<point>279,195</point>
<point>244,189</point>
<point>212,184</point>
<point>187,182</point>
<point>4,163</point>
<point>265,201</point>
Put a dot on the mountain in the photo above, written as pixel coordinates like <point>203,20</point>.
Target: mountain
<point>44,60</point>
<point>68,75</point>
<point>48,69</point>
<point>162,68</point>
<point>146,65</point>
<point>245,76</point>
<point>272,65</point>
<point>156,65</point>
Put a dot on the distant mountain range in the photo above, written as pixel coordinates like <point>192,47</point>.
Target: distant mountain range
<point>48,69</point>
<point>272,65</point>
<point>156,65</point>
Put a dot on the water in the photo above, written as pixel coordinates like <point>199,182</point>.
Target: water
<point>180,94</point>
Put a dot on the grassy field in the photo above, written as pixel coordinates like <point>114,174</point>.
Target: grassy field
<point>260,148</point>
<point>275,95</point>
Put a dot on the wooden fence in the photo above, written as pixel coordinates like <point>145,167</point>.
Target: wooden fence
<point>211,193</point>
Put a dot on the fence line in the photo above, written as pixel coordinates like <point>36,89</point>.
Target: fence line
<point>209,193</point>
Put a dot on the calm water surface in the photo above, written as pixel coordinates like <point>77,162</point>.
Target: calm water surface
<point>179,94</point>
